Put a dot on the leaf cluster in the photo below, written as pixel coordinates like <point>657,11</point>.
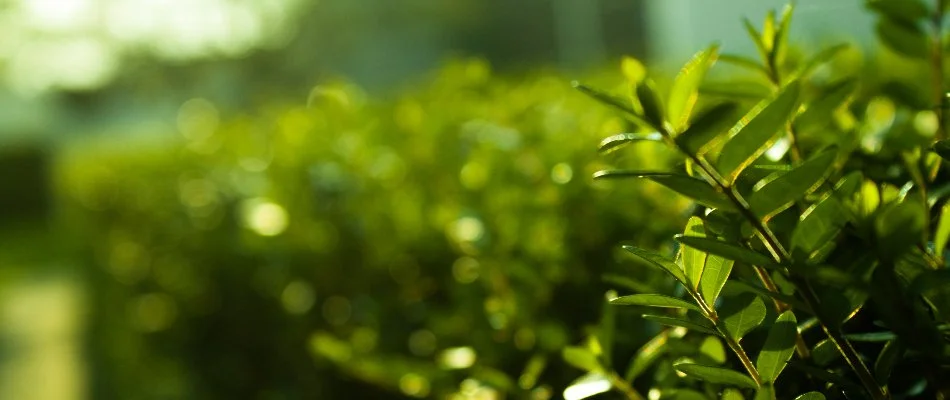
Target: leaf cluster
<point>822,275</point>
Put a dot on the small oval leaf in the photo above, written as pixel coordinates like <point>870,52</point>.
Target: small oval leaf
<point>715,274</point>
<point>685,90</point>
<point>751,137</point>
<point>696,189</point>
<point>620,140</point>
<point>726,250</point>
<point>581,358</point>
<point>694,261</point>
<point>709,128</point>
<point>722,376</point>
<point>652,107</point>
<point>673,321</point>
<point>942,148</point>
<point>646,356</point>
<point>905,39</point>
<point>778,348</point>
<point>811,396</point>
<point>658,261</point>
<point>653,300</point>
<point>613,101</point>
<point>892,352</point>
<point>820,111</point>
<point>742,313</point>
<point>779,193</point>
<point>820,58</point>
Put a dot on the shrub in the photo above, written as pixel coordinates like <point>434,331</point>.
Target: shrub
<point>814,264</point>
<point>354,247</point>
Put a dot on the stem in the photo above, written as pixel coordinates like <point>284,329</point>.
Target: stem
<point>936,59</point>
<point>624,387</point>
<point>801,348</point>
<point>710,313</point>
<point>740,352</point>
<point>781,255</point>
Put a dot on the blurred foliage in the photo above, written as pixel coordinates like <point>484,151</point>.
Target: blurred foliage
<point>445,241</point>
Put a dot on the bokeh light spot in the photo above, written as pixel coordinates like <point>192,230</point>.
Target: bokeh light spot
<point>264,217</point>
<point>926,122</point>
<point>562,173</point>
<point>466,270</point>
<point>298,297</point>
<point>468,229</point>
<point>414,385</point>
<point>457,358</point>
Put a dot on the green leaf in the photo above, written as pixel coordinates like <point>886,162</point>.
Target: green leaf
<point>820,58</point>
<point>907,40</point>
<point>780,46</point>
<point>824,375</point>
<point>613,101</point>
<point>731,394</point>
<point>779,347</point>
<point>713,349</point>
<point>871,336</point>
<point>899,227</point>
<point>929,281</point>
<point>581,358</point>
<point>633,69</point>
<point>693,260</point>
<point>742,313</point>
<point>682,394</point>
<point>653,300</point>
<point>811,396</point>
<point>818,225</point>
<point>768,32</point>
<point>696,189</point>
<point>652,108</point>
<point>821,110</point>
<point>658,261</point>
<point>532,371</point>
<point>709,128</point>
<point>674,321</point>
<point>620,140</point>
<point>756,131</point>
<point>646,356</point>
<point>685,90</point>
<point>756,38</point>
<point>782,191</point>
<point>907,12</point>
<point>825,353</point>
<point>744,62</point>
<point>943,230</point>
<point>722,376</point>
<point>715,274</point>
<point>740,286</point>
<point>726,250</point>
<point>892,352</point>
<point>737,90</point>
<point>942,148</point>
